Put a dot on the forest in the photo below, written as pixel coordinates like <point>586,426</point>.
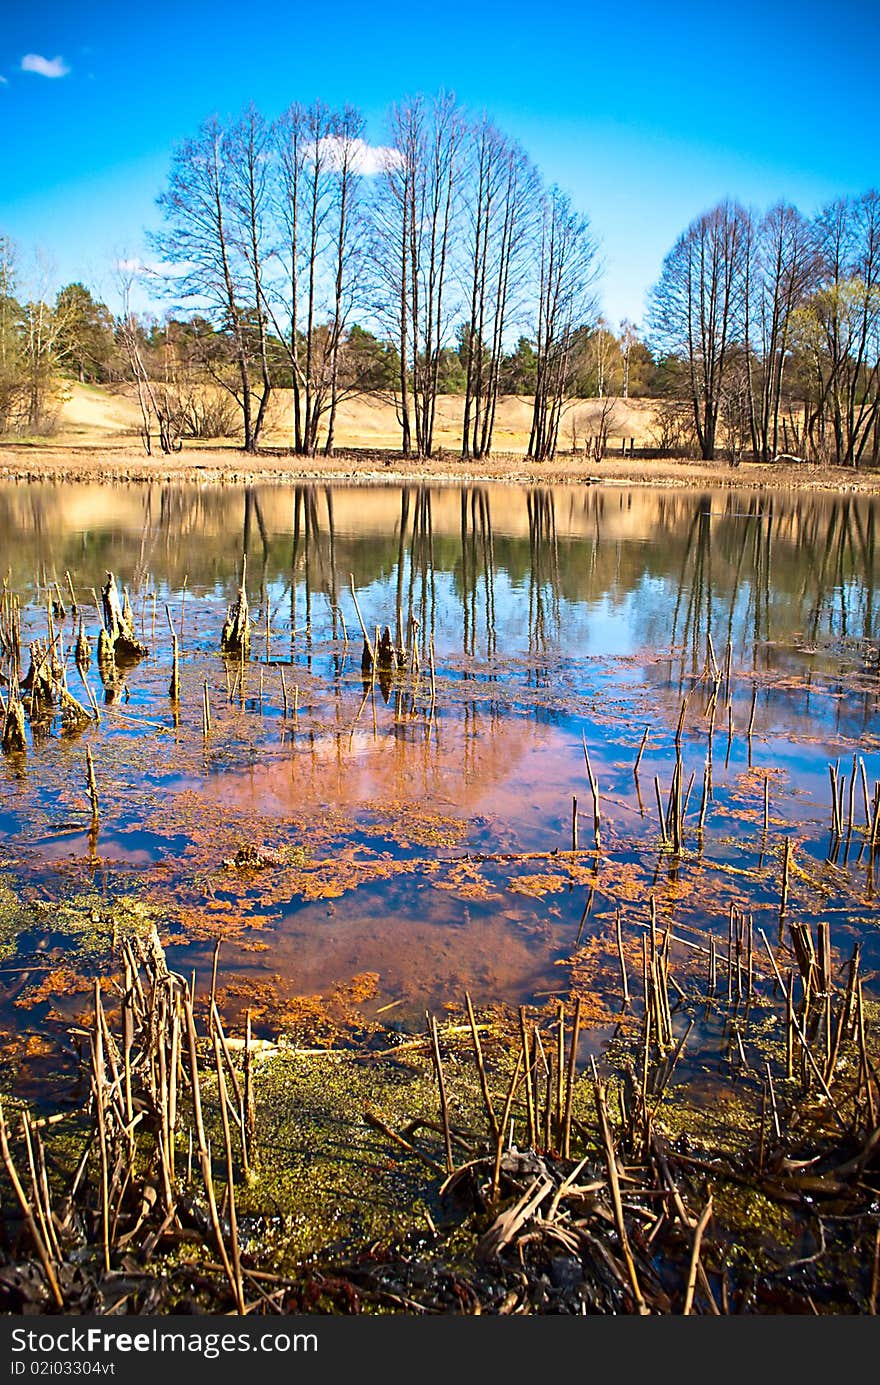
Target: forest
<point>294,255</point>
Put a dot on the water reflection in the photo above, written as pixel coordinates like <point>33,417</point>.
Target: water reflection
<point>548,614</point>
<point>663,569</point>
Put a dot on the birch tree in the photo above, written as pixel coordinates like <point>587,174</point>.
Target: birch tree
<point>567,272</point>
<point>416,220</point>
<point>212,213</point>
<point>501,199</point>
<point>697,309</point>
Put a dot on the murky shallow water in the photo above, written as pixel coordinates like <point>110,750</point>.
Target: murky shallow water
<point>406,827</point>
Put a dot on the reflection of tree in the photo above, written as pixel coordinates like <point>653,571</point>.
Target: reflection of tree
<point>798,570</point>
<point>543,566</point>
<point>477,560</point>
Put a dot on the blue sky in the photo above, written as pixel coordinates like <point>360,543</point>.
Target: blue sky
<point>645,113</point>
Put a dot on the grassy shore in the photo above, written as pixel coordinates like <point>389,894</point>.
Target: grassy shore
<point>229,464</point>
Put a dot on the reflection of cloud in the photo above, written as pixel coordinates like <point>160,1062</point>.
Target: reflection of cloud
<point>363,158</point>
<point>44,67</point>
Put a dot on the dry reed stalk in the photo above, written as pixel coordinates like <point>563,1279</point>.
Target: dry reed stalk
<point>47,1196</point>
<point>594,789</point>
<point>617,1203</point>
<point>202,1143</point>
<point>569,1080</point>
<point>481,1069</point>
<point>695,1258</point>
<point>704,798</point>
<point>283,691</point>
<point>802,1038</point>
<point>92,786</point>
<point>214,963</point>
<point>863,1056</point>
<point>357,608</point>
<point>174,686</point>
<point>641,751</point>
<point>44,1211</point>
<point>239,1112</point>
<point>753,708</point>
<point>766,804</point>
<point>99,1078</point>
<point>505,1117</point>
<point>680,726</point>
<point>71,590</point>
<point>27,1213</point>
<point>538,1049</point>
<point>574,824</point>
<point>560,1070</point>
<point>716,676</point>
<point>777,1129</point>
<point>433,674</point>
<point>622,959</point>
<point>441,1086</point>
<point>206,710</point>
<point>230,1178</point>
<point>249,1109</point>
<point>164,1136</point>
<point>662,816</point>
<point>786,871</point>
<point>530,1091</point>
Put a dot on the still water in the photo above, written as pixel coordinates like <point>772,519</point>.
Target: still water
<point>368,849</point>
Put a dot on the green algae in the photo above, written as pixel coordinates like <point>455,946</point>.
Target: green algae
<point>15,918</point>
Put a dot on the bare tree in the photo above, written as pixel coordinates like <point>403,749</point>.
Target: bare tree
<point>501,197</point>
<point>157,401</point>
<point>567,274</point>
<point>697,308</point>
<point>414,247</point>
<point>782,274</point>
<point>838,331</point>
<point>213,218</point>
<point>321,159</point>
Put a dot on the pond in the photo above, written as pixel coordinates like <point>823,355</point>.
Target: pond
<point>369,846</point>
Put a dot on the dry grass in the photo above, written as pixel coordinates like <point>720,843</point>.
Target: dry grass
<point>98,440</point>
<point>100,416</point>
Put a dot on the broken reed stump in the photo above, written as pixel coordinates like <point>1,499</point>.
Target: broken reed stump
<point>92,786</point>
<point>119,625</point>
<point>386,653</point>
<point>174,685</point>
<point>14,739</point>
<point>82,649</point>
<point>235,637</point>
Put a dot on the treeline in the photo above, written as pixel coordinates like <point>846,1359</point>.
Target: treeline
<point>770,330</point>
<point>288,233</point>
<point>299,257</point>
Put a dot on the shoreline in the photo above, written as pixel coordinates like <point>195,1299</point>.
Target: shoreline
<point>231,466</point>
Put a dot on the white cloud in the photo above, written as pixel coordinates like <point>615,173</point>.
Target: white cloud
<point>44,67</point>
<point>366,159</point>
<point>4,81</point>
